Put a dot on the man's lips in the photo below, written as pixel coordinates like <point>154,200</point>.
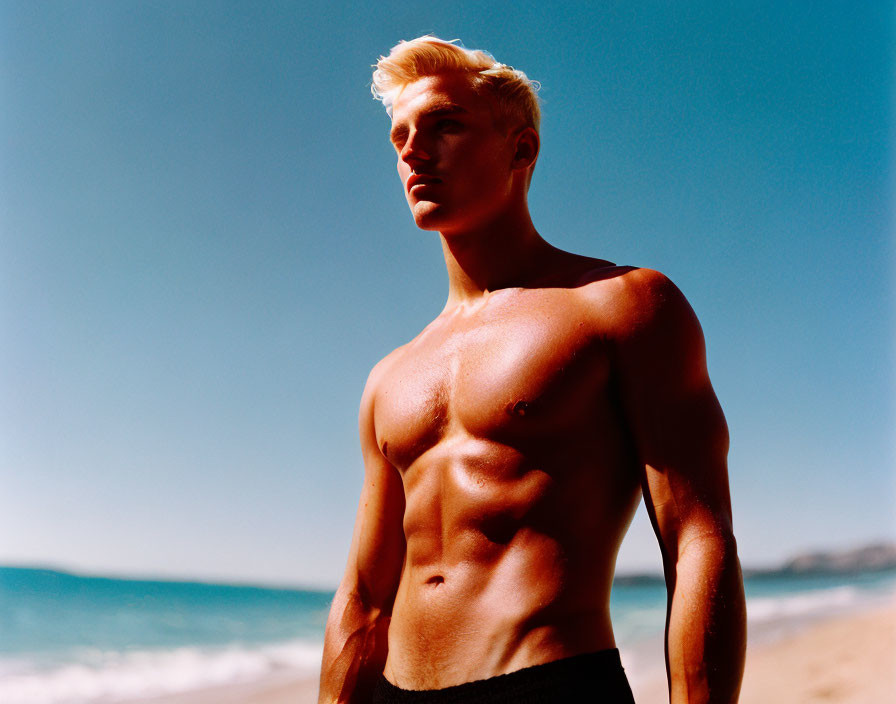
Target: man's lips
<point>420,180</point>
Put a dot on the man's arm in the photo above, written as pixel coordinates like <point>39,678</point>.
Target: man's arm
<point>355,645</point>
<point>681,438</point>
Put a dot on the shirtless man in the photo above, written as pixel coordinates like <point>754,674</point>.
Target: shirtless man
<point>507,446</point>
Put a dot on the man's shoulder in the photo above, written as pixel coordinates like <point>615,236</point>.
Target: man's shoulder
<point>592,276</point>
<point>384,372</point>
<point>634,305</point>
<point>381,369</point>
<point>628,290</point>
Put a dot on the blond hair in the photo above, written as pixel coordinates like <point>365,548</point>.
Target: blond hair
<point>425,56</point>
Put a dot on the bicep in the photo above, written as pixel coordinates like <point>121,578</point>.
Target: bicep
<point>684,474</point>
<point>378,546</point>
<point>677,425</point>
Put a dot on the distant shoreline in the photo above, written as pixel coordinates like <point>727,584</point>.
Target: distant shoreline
<point>870,558</point>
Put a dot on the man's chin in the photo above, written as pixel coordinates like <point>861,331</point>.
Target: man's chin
<point>428,215</point>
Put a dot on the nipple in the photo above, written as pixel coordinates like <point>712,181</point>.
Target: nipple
<point>520,408</point>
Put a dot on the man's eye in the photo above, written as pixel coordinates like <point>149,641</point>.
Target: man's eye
<point>446,125</point>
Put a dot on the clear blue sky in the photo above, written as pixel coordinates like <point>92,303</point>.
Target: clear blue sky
<point>205,248</point>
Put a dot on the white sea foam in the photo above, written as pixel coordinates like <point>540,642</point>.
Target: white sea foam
<point>122,676</point>
<point>820,602</point>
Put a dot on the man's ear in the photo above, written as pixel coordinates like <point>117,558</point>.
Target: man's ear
<point>526,149</point>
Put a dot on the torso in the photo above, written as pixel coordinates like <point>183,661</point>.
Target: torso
<point>519,480</point>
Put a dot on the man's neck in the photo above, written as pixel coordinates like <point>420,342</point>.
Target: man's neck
<point>503,254</point>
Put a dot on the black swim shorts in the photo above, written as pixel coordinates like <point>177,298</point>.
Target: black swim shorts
<point>597,678</point>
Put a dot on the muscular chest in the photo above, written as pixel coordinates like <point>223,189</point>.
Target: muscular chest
<point>515,374</point>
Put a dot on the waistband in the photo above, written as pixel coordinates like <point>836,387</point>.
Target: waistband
<point>590,677</point>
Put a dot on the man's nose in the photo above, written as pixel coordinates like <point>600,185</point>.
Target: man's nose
<point>414,151</point>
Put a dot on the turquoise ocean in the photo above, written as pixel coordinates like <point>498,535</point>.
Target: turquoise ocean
<point>67,639</point>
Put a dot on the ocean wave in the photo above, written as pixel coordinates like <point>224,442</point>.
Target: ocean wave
<point>104,676</point>
<point>822,601</point>
<point>779,607</point>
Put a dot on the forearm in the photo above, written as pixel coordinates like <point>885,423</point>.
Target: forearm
<point>706,631</point>
<point>355,649</point>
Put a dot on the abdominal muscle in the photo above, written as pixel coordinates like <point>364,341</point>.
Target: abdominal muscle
<point>503,572</point>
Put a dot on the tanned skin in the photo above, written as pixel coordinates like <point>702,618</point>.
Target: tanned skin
<point>508,445</point>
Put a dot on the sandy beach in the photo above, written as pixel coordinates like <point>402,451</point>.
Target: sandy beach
<point>844,660</point>
<point>848,661</point>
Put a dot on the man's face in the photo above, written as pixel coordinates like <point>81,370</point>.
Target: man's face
<point>453,160</point>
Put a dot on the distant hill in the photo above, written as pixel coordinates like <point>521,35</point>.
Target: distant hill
<point>881,556</point>
<point>869,558</point>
